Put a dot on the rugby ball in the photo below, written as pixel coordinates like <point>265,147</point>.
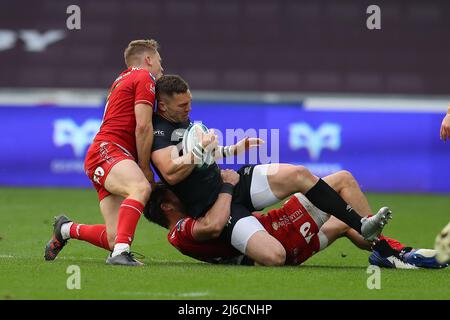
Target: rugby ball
<point>442,245</point>
<point>191,138</point>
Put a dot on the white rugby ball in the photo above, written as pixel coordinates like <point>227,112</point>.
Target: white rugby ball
<point>191,138</point>
<point>442,245</point>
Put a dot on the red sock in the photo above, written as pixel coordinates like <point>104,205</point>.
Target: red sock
<point>129,214</point>
<point>95,234</point>
<point>393,243</point>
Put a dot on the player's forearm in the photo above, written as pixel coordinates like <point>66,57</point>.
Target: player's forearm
<point>180,169</point>
<point>144,141</point>
<point>220,211</point>
<point>233,150</point>
<point>211,225</point>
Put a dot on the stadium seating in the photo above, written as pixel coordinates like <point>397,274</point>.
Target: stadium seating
<point>300,45</point>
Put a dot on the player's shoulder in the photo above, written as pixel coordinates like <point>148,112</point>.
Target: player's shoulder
<point>125,75</point>
<point>159,123</point>
<point>143,74</point>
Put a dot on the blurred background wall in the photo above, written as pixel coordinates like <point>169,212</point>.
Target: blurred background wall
<point>340,95</point>
<point>292,45</point>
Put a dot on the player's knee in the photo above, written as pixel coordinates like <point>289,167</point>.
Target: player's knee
<point>146,190</point>
<point>303,175</point>
<point>342,228</point>
<point>347,178</point>
<point>276,256</point>
<point>142,191</point>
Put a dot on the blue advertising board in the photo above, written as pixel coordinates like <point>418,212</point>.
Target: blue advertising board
<point>385,151</point>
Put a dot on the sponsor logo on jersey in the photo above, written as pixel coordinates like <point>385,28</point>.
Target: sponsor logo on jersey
<point>181,225</point>
<point>296,215</point>
<point>283,221</point>
<point>159,133</point>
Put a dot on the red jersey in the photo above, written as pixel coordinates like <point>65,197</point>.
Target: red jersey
<point>212,251</point>
<point>292,225</point>
<point>133,86</point>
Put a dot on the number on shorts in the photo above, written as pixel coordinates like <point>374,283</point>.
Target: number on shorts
<point>98,173</point>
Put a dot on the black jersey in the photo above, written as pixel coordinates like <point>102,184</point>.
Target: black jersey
<point>201,188</point>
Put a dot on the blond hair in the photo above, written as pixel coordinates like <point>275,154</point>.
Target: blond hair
<point>137,47</point>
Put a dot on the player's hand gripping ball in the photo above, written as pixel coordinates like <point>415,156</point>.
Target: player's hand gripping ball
<point>204,141</point>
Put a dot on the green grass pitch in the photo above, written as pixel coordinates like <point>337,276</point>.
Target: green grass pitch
<point>340,272</point>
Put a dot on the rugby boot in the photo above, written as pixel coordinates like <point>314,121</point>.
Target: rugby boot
<point>56,243</point>
<point>372,226</point>
<point>423,258</point>
<point>392,261</point>
<point>124,259</point>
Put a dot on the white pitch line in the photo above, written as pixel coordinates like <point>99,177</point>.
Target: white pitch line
<point>97,259</point>
<point>130,294</point>
<point>7,256</point>
<point>71,258</point>
<point>79,258</point>
<point>165,294</point>
<point>166,261</point>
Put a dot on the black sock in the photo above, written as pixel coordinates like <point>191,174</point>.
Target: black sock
<point>385,249</point>
<point>329,201</point>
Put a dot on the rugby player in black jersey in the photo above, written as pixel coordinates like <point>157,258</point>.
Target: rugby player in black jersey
<point>260,185</point>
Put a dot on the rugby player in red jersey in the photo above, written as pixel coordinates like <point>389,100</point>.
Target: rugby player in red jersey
<point>118,161</point>
<point>298,225</point>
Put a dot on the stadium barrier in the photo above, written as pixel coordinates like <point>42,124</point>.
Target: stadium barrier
<point>387,149</point>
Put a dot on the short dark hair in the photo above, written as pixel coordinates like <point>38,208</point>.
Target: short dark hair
<point>169,85</point>
<point>152,210</point>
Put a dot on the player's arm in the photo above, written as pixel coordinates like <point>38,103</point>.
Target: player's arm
<point>144,138</point>
<point>238,148</point>
<point>445,126</point>
<point>212,223</point>
<point>144,100</point>
<point>175,168</point>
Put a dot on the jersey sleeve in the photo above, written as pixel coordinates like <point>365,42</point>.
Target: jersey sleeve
<point>144,89</point>
<point>181,235</point>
